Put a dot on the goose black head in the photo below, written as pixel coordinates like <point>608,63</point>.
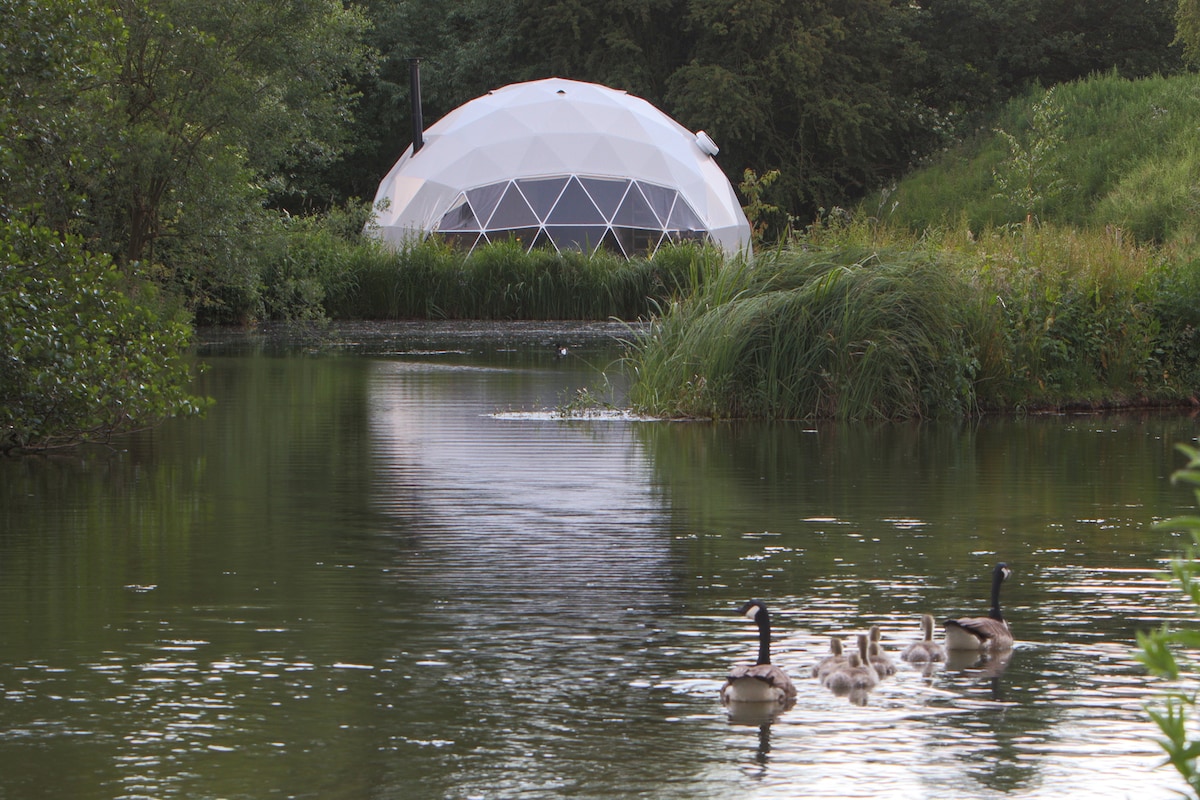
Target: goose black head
<point>752,609</point>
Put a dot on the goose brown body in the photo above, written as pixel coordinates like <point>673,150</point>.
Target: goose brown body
<point>829,663</point>
<point>879,660</point>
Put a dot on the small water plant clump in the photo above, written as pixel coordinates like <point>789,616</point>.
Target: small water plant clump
<point>583,403</point>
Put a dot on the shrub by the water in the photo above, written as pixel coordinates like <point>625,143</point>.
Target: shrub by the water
<point>1169,651</point>
<point>81,360</point>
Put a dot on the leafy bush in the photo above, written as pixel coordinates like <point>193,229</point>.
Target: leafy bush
<point>1177,717</point>
<point>79,359</point>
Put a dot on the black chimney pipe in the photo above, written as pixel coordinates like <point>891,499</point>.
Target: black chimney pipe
<point>418,123</point>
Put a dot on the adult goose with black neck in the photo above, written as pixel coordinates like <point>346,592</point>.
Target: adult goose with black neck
<point>982,633</point>
<point>761,682</point>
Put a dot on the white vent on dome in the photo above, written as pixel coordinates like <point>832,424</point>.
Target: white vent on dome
<point>705,143</point>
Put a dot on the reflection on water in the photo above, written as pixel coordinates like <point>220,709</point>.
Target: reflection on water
<point>364,575</point>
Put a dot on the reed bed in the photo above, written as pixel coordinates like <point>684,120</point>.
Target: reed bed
<point>859,321</point>
<point>430,280</point>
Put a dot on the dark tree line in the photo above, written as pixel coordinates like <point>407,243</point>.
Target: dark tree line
<point>839,95</point>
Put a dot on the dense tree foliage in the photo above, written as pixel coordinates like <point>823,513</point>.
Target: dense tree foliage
<point>80,359</point>
<point>141,143</point>
<point>1187,30</point>
<point>57,56</point>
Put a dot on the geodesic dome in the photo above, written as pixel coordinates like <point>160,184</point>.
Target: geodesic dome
<point>565,164</point>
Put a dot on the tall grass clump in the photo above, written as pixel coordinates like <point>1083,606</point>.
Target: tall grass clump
<point>801,333</point>
<point>431,280</point>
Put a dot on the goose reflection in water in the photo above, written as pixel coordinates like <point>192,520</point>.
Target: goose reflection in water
<point>988,666</point>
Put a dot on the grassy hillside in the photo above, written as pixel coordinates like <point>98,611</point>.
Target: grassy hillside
<point>1051,262</point>
<point>1104,152</point>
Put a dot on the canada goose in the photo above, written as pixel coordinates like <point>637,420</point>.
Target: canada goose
<point>982,633</point>
<point>926,649</point>
<point>762,682</point>
<point>560,350</point>
<point>856,673</point>
<point>879,660</point>
<point>833,661</point>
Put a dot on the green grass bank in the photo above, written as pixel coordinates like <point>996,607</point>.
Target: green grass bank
<point>1102,152</point>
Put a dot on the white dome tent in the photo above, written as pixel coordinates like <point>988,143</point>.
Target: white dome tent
<point>561,163</point>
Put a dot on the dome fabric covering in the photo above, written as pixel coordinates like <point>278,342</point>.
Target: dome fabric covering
<point>561,163</point>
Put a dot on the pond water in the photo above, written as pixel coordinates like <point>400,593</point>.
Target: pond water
<point>381,568</point>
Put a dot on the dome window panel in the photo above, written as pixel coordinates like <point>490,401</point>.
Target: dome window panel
<point>512,212</point>
<point>606,193</point>
<point>610,243</point>
<point>460,217</point>
<point>575,207</point>
<point>660,199</point>
<point>542,240</point>
<point>585,238</point>
<point>484,199</point>
<point>635,212</point>
<point>684,219</point>
<point>541,193</point>
<point>461,241</point>
<point>638,241</point>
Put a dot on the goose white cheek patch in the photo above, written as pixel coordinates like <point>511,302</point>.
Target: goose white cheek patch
<point>752,612</point>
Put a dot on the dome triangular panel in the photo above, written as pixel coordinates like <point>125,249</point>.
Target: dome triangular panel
<point>484,199</point>
<point>636,212</point>
<point>575,207</point>
<point>541,193</point>
<point>460,217</point>
<point>512,212</point>
<point>606,193</point>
